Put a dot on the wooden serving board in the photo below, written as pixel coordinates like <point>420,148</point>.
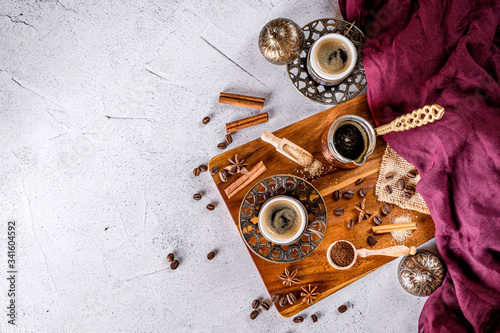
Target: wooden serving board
<point>314,269</point>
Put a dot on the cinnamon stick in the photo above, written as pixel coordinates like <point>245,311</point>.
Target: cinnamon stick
<point>394,227</point>
<point>247,122</point>
<point>245,180</point>
<point>242,100</point>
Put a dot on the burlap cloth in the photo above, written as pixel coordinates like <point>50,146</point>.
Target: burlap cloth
<point>392,162</point>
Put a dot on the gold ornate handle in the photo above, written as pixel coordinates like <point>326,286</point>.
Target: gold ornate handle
<point>417,118</point>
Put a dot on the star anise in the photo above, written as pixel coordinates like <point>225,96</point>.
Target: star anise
<point>237,165</point>
<point>289,278</point>
<point>309,295</point>
<point>363,214</point>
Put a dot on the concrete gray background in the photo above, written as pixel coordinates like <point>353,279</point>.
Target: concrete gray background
<point>100,118</point>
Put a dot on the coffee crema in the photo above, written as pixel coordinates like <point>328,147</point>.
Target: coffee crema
<point>349,141</point>
<point>332,57</point>
<point>282,219</point>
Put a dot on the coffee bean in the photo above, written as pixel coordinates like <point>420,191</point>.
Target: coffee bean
<point>388,189</point>
<point>389,175</point>
<point>174,264</point>
<point>342,308</point>
<point>406,196</point>
<point>372,240</point>
<point>350,224</point>
<point>170,257</point>
<point>291,298</point>
<point>211,255</point>
<point>314,318</point>
<point>275,299</point>
<point>222,145</point>
<point>283,301</point>
<point>197,196</point>
<point>203,167</point>
<point>362,192</point>
<point>298,319</point>
<point>348,194</point>
<point>229,139</point>
<point>386,210</point>
<point>412,174</point>
<point>410,188</point>
<point>265,305</point>
<point>401,184</point>
<point>254,314</point>
<point>359,181</point>
<point>210,207</point>
<point>339,211</point>
<point>223,176</point>
<point>196,172</point>
<point>205,120</point>
<point>214,170</point>
<point>337,195</point>
<point>377,220</point>
<point>255,304</point>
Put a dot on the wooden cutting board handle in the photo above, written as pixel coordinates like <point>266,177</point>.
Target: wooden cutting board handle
<point>417,118</point>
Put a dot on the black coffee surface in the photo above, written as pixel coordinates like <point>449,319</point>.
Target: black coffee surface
<point>348,141</point>
<point>333,57</point>
<point>282,219</point>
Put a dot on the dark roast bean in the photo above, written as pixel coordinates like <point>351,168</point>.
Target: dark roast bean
<point>350,224</point>
<point>170,257</point>
<point>401,184</point>
<point>265,305</point>
<point>386,210</point>
<point>389,175</point>
<point>210,255</point>
<point>222,145</point>
<point>214,170</point>
<point>255,304</point>
<point>223,176</point>
<point>372,240</point>
<point>174,264</point>
<point>337,195</point>
<point>388,189</point>
<point>339,211</point>
<point>410,188</point>
<point>412,174</point>
<point>377,220</point>
<point>275,299</point>
<point>298,319</point>
<point>283,301</point>
<point>229,139</point>
<point>362,192</point>
<point>291,298</point>
<point>196,172</point>
<point>406,196</point>
<point>203,167</point>
<point>342,308</point>
<point>314,318</point>
<point>210,207</point>
<point>197,196</point>
<point>348,194</point>
<point>359,181</point>
<point>205,120</point>
<point>254,314</point>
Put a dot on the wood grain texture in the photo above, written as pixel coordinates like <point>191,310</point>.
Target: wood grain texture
<point>315,269</point>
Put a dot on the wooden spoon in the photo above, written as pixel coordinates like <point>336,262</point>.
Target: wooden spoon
<point>289,149</point>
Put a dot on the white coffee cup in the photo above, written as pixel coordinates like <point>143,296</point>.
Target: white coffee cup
<point>317,73</point>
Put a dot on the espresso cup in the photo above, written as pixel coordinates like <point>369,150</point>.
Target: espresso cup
<point>282,219</point>
<point>331,59</point>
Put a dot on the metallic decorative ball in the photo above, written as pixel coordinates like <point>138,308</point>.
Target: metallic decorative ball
<point>421,274</point>
<point>281,41</point>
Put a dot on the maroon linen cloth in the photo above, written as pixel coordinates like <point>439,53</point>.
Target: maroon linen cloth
<point>447,53</point>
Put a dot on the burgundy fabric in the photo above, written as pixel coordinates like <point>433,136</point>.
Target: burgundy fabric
<point>447,53</point>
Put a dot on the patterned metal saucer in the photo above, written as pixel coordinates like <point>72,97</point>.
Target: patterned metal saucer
<point>294,187</point>
<point>303,82</point>
<point>421,274</point>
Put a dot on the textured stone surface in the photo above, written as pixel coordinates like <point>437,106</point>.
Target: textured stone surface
<point>101,105</point>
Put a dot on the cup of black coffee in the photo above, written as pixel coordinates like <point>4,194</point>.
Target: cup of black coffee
<point>331,59</point>
<point>282,219</point>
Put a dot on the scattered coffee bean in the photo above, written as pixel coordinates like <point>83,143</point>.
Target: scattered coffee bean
<point>350,224</point>
<point>342,308</point>
<point>283,301</point>
<point>389,175</point>
<point>197,196</point>
<point>214,170</point>
<point>196,172</point>
<point>298,319</point>
<point>223,176</point>
<point>203,167</point>
<point>337,195</point>
<point>388,189</point>
<point>362,192</point>
<point>211,255</point>
<point>412,174</point>
<point>205,120</point>
<point>359,181</point>
<point>174,264</point>
<point>314,318</point>
<point>372,240</point>
<point>410,188</point>
<point>348,194</point>
<point>265,305</point>
<point>254,314</point>
<point>170,257</point>
<point>210,207</point>
<point>275,299</point>
<point>401,184</point>
<point>291,298</point>
<point>222,145</point>
<point>339,211</point>
<point>386,210</point>
<point>255,304</point>
<point>229,139</point>
<point>377,220</point>
<point>406,196</point>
